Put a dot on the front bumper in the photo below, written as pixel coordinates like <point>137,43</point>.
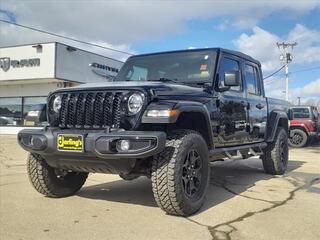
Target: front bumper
<point>99,153</point>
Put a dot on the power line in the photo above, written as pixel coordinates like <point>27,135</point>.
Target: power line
<point>274,73</point>
<point>297,71</point>
<point>305,70</point>
<point>61,36</point>
<point>268,82</point>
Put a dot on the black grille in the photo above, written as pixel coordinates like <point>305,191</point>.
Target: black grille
<point>90,109</point>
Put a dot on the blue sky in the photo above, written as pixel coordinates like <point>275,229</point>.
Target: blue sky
<point>139,26</point>
<point>206,33</point>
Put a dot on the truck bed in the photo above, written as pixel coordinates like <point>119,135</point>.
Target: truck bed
<point>275,104</point>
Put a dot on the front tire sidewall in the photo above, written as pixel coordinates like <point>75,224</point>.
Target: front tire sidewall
<point>167,169</point>
<point>276,155</point>
<point>192,204</point>
<point>45,180</point>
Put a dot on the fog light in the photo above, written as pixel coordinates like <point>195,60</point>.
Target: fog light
<point>38,142</point>
<point>124,145</point>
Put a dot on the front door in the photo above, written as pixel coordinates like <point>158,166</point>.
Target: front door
<point>232,106</point>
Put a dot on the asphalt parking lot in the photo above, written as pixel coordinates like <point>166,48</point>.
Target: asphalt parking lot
<point>243,203</point>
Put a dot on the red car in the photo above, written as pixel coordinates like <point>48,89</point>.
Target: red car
<point>304,125</point>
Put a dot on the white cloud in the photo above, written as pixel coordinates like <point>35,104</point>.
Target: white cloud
<point>125,22</point>
<point>310,93</point>
<point>261,44</point>
<point>121,23</point>
<point>308,48</point>
<point>10,35</point>
<point>274,87</point>
<point>310,90</point>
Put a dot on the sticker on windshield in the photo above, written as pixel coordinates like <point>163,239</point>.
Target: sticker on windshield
<point>204,74</point>
<point>206,57</point>
<point>203,67</point>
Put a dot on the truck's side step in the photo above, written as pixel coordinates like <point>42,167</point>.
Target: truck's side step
<point>243,151</point>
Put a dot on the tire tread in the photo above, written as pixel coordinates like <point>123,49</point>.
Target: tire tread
<point>163,175</point>
<point>41,179</point>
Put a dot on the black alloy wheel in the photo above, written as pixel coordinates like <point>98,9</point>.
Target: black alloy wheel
<point>181,172</point>
<point>298,138</point>
<point>192,173</point>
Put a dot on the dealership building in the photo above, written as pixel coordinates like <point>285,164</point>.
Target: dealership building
<point>29,72</point>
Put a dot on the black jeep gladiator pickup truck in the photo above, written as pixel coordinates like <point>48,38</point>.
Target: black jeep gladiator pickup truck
<point>165,116</point>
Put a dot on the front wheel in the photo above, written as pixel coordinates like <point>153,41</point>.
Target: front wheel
<point>53,182</point>
<point>276,154</point>
<point>180,174</point>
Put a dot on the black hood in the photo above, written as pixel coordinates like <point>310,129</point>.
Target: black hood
<point>160,89</point>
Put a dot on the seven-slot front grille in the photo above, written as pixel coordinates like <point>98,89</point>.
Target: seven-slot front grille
<point>90,109</point>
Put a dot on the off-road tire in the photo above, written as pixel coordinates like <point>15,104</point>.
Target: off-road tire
<point>167,168</point>
<point>45,180</point>
<point>276,154</point>
<point>301,134</point>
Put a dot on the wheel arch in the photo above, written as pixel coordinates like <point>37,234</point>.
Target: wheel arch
<point>276,119</point>
<point>299,127</point>
<point>199,124</point>
<point>189,115</point>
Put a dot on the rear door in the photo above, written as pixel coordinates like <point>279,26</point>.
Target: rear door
<point>257,105</point>
<point>233,106</point>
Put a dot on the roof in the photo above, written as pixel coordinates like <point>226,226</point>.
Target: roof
<point>232,52</point>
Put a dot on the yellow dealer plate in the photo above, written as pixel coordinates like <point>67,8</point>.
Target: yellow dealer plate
<point>70,142</point>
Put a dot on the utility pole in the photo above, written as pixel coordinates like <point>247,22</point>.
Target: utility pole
<point>286,58</point>
<point>299,100</point>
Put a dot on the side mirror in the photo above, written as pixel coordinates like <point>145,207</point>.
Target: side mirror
<point>232,78</point>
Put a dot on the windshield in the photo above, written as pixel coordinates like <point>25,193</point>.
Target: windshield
<point>301,113</point>
<point>192,66</point>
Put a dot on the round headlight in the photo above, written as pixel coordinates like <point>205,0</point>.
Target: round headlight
<point>135,103</point>
<point>56,104</point>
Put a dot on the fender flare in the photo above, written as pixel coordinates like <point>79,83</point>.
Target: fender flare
<point>181,107</point>
<point>273,123</point>
<point>302,126</point>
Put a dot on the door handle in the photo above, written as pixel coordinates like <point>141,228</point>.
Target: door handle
<point>245,104</point>
<point>260,106</point>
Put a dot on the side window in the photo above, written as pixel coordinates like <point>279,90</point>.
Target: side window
<point>252,80</point>
<point>228,64</point>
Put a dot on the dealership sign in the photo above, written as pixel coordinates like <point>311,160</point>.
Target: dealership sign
<point>104,70</point>
<point>6,63</point>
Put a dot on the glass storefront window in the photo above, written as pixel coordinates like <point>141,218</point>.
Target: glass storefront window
<point>34,111</point>
<point>23,111</point>
<point>10,111</point>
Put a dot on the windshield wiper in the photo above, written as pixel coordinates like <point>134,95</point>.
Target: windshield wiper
<point>166,80</point>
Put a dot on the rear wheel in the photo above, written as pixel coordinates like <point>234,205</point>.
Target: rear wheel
<point>53,182</point>
<point>298,138</point>
<point>180,173</point>
<point>276,154</point>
